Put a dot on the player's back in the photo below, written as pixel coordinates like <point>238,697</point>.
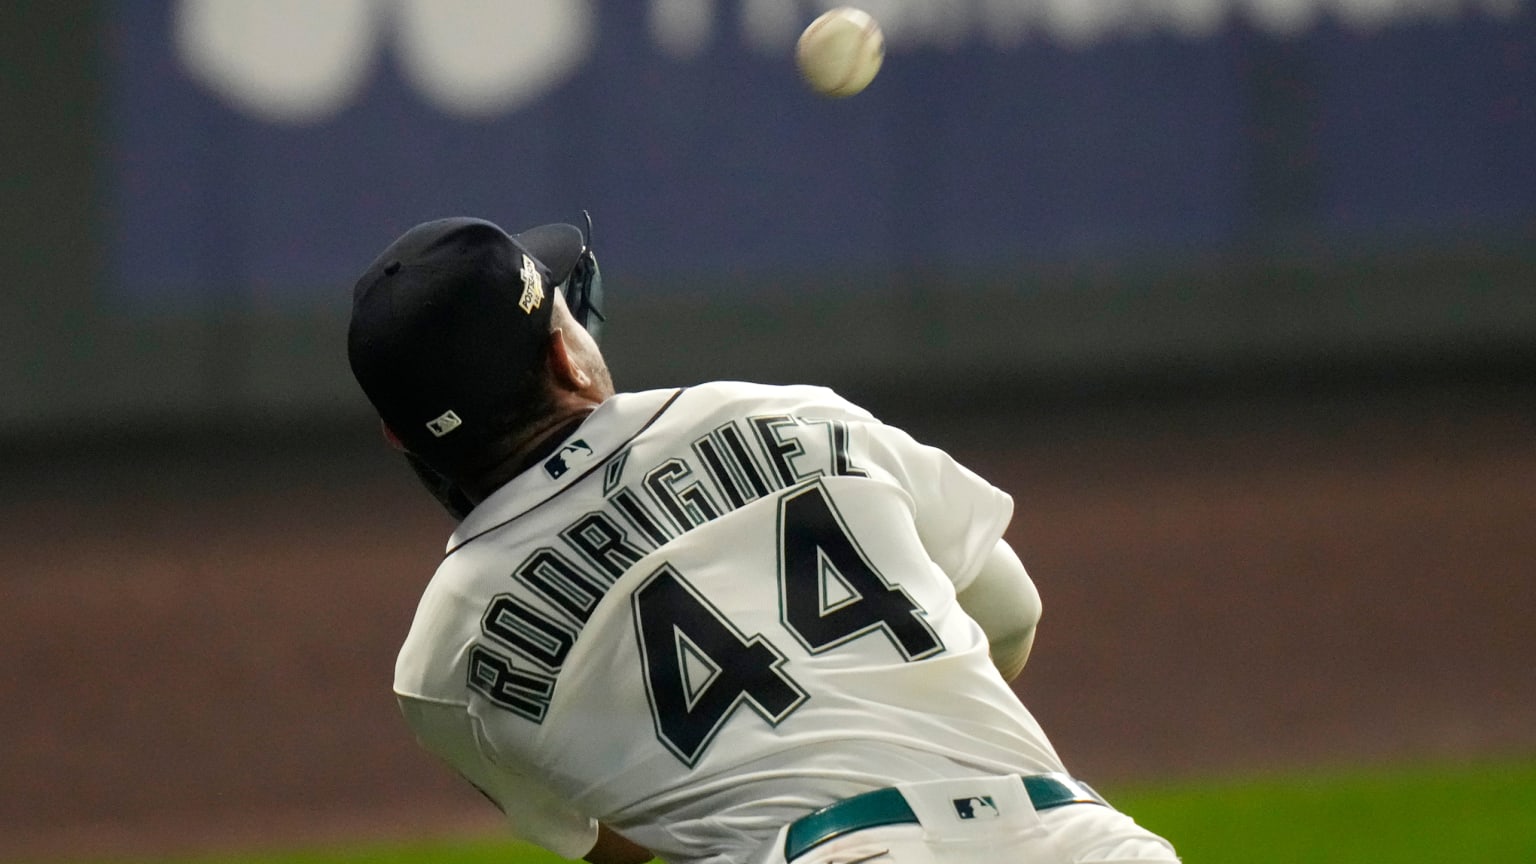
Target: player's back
<point>712,610</point>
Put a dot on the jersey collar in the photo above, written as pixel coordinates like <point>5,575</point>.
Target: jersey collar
<point>588,447</point>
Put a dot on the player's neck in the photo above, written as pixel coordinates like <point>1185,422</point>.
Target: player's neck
<point>533,446</point>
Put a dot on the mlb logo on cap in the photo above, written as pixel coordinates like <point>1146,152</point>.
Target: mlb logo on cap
<point>443,424</point>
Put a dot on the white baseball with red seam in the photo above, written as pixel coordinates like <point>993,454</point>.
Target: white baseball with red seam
<point>840,52</point>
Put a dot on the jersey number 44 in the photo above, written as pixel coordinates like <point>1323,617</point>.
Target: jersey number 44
<point>700,668</point>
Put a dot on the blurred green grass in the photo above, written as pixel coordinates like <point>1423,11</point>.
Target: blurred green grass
<point>1406,815</point>
<point>1420,814</point>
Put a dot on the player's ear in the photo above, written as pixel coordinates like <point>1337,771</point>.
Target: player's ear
<point>563,364</point>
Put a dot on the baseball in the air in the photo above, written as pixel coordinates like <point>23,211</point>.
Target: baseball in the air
<point>840,52</point>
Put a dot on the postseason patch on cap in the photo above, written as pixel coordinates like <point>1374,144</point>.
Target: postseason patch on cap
<point>533,286</point>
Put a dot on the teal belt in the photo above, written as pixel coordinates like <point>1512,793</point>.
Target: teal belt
<point>889,807</point>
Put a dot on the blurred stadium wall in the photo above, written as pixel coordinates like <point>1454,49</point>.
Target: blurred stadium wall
<point>1056,198</point>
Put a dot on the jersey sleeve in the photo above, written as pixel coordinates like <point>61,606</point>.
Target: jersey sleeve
<point>533,812</point>
<point>960,516</point>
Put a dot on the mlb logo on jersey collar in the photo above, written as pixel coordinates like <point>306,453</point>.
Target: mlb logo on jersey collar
<point>569,455</point>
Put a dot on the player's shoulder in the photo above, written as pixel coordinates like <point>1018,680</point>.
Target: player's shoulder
<point>805,400</point>
<point>446,620</point>
<point>431,660</point>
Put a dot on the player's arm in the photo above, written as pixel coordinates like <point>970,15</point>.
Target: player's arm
<point>613,848</point>
<point>1003,600</point>
<point>960,519</point>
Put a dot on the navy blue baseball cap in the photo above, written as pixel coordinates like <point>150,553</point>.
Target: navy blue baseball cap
<point>449,329</point>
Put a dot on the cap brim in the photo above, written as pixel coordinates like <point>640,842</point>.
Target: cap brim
<point>557,246</point>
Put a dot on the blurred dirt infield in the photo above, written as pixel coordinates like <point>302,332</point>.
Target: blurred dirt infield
<point>198,640</point>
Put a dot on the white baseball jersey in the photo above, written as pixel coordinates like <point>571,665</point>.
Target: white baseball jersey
<point>709,612</point>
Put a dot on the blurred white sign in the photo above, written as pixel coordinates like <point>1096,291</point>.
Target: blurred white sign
<point>298,61</point>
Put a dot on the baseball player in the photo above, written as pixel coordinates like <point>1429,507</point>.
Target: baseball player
<point>721,623</point>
